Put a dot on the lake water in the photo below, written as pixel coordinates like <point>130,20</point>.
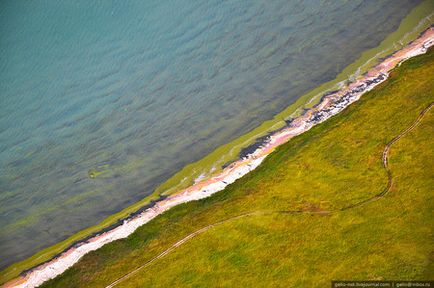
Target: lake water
<point>102,102</point>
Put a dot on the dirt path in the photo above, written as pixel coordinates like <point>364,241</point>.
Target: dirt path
<point>385,162</point>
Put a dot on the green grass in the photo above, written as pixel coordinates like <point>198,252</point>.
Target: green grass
<point>227,152</point>
<point>329,167</point>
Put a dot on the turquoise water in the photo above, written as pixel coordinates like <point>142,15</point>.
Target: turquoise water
<point>131,93</point>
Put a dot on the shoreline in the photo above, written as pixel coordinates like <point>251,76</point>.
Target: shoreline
<point>330,104</point>
<point>417,21</point>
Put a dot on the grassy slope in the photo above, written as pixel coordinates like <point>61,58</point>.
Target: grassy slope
<point>334,164</point>
<point>405,32</point>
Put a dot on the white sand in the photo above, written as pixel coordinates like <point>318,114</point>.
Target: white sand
<point>330,105</point>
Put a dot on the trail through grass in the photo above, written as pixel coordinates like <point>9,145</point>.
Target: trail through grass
<point>336,165</point>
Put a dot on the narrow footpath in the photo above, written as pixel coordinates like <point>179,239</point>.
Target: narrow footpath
<point>385,162</point>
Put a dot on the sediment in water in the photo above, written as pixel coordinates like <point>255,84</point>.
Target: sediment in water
<point>330,104</point>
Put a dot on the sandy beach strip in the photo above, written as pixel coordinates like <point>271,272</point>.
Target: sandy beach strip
<point>330,104</point>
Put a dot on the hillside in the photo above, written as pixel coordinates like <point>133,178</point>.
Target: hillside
<point>302,218</point>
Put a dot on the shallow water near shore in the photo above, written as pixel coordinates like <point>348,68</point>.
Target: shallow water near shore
<point>101,109</point>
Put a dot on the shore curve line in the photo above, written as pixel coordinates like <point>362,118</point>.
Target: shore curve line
<point>385,163</point>
<point>331,104</point>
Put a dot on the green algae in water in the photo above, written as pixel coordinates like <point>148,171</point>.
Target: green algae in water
<point>417,21</point>
<point>93,173</point>
<point>117,189</point>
